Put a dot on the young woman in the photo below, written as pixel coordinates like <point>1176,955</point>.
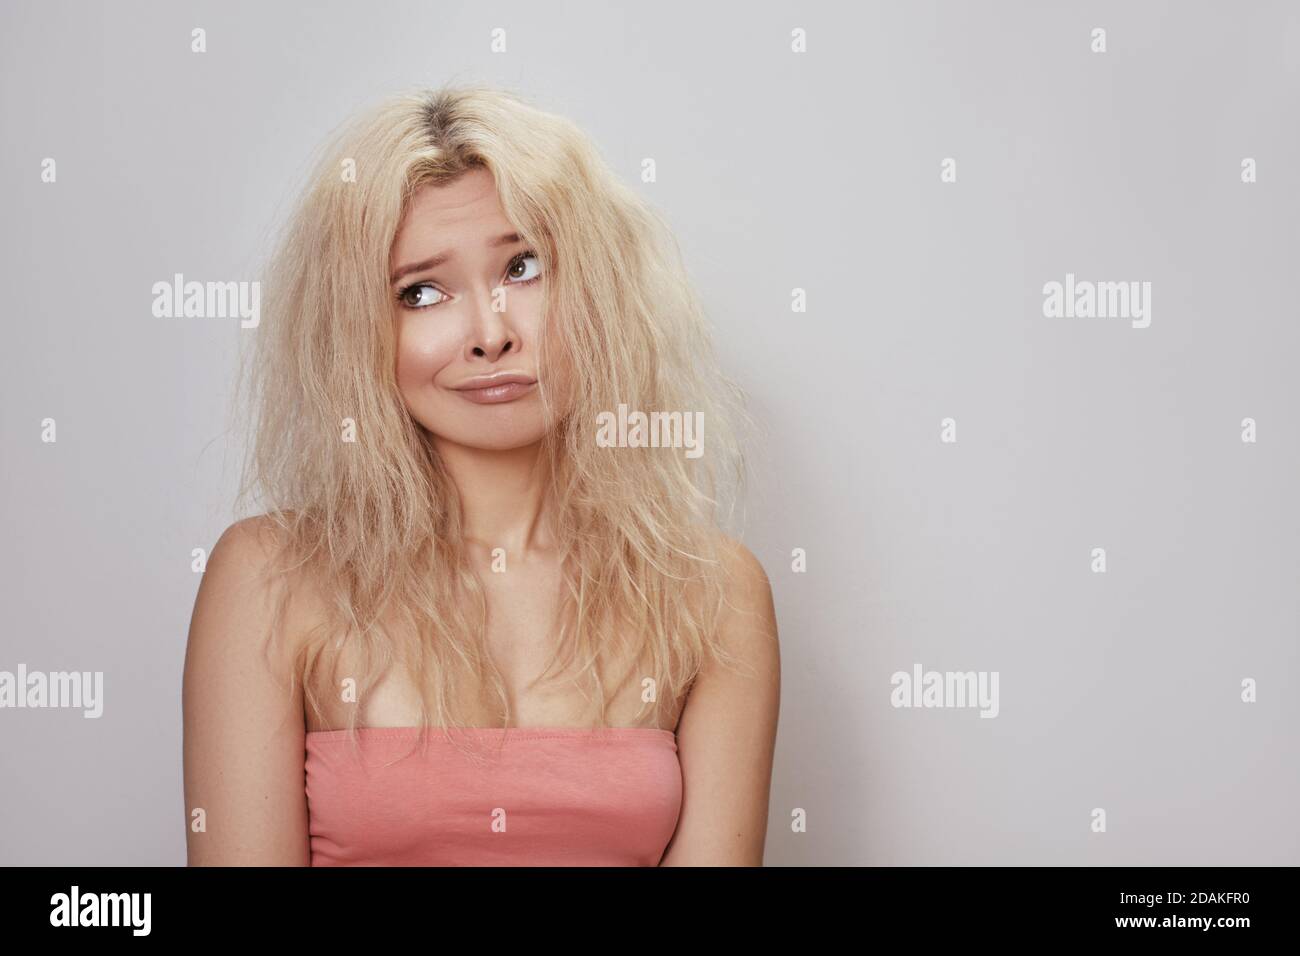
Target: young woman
<point>488,616</point>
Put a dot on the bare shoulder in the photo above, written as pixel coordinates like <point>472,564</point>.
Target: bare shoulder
<point>248,545</point>
<point>744,622</point>
<point>749,598</point>
<point>743,568</point>
<point>242,709</point>
<point>726,736</point>
<point>240,593</point>
<point>242,605</point>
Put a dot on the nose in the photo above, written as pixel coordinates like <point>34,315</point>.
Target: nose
<point>492,336</point>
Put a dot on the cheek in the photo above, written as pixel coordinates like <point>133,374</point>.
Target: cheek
<point>423,350</point>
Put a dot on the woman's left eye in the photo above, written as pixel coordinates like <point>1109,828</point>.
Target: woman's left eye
<point>519,269</point>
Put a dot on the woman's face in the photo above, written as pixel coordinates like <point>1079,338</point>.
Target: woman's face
<point>467,306</point>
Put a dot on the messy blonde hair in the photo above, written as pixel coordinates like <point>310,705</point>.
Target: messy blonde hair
<point>378,521</point>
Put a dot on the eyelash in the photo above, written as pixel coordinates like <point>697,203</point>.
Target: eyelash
<point>401,293</point>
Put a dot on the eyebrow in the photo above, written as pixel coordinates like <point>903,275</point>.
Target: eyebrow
<point>434,261</point>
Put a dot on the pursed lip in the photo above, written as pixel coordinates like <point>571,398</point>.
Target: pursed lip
<point>490,381</point>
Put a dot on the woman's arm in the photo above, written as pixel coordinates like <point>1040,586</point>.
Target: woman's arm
<point>244,729</point>
<point>727,733</point>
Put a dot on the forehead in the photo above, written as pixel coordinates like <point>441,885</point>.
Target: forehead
<point>464,212</point>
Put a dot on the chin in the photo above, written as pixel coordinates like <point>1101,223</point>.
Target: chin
<point>489,438</point>
<point>504,443</point>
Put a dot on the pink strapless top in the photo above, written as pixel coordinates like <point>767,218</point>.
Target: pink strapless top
<point>559,796</point>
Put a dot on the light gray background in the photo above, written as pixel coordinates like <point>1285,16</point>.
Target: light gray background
<point>818,171</point>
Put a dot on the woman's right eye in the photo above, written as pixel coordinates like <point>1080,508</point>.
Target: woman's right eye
<point>419,296</point>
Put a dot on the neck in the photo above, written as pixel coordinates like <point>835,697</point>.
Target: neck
<point>505,500</point>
